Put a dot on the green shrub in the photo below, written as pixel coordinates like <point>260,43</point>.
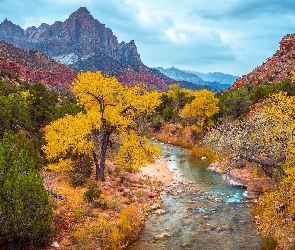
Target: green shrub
<point>25,213</point>
<point>92,192</point>
<point>269,242</point>
<point>77,180</point>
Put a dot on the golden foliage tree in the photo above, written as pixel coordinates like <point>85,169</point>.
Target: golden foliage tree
<point>266,137</point>
<point>200,111</point>
<point>111,110</point>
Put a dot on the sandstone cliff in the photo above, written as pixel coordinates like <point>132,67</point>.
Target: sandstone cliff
<point>276,68</point>
<point>84,43</point>
<point>34,66</point>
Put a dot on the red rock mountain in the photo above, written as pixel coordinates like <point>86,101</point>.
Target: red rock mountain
<point>276,68</point>
<point>34,66</point>
<point>84,43</point>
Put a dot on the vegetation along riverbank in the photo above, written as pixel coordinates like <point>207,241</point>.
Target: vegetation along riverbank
<point>74,159</point>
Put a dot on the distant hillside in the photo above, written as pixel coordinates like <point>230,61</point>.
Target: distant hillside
<point>185,76</point>
<point>274,69</point>
<point>216,76</point>
<point>34,66</point>
<point>84,43</point>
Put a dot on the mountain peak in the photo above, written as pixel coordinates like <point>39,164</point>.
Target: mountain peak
<point>83,10</point>
<point>84,43</point>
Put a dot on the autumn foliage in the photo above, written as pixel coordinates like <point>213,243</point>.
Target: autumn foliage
<point>111,110</point>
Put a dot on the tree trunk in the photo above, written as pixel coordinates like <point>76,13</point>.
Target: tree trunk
<point>103,142</point>
<point>267,164</point>
<point>103,152</point>
<point>97,170</point>
<point>105,139</point>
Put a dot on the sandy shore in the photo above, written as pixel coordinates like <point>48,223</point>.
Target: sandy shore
<point>158,170</point>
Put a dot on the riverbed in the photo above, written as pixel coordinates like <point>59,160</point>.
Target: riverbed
<point>198,210</point>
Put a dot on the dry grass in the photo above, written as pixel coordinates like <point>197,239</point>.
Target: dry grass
<point>111,222</point>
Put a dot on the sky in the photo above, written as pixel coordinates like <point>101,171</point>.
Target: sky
<point>232,36</point>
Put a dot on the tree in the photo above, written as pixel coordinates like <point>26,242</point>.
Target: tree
<point>200,111</point>
<point>235,103</point>
<point>25,213</point>
<point>180,98</point>
<point>265,137</point>
<point>41,105</point>
<point>13,113</point>
<point>111,110</point>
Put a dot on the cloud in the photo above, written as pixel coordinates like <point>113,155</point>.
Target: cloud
<point>233,36</point>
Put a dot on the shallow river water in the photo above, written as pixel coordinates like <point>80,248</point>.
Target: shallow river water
<point>202,212</point>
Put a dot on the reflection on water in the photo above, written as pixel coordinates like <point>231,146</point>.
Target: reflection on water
<point>201,211</point>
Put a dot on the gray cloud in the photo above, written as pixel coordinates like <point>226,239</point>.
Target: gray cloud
<point>231,36</point>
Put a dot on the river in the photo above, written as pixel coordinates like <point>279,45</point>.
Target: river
<point>202,212</point>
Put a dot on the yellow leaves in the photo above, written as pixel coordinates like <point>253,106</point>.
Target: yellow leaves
<point>61,165</point>
<point>104,99</point>
<point>293,76</point>
<point>113,233</point>
<point>70,133</point>
<point>136,151</point>
<point>119,105</point>
<point>201,109</point>
<point>93,86</point>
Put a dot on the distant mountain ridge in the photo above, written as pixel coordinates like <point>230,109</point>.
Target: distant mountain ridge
<point>216,76</point>
<point>192,77</point>
<point>84,43</point>
<point>276,68</point>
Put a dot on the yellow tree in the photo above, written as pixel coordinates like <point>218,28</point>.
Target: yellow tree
<point>111,109</point>
<point>264,137</point>
<point>200,111</point>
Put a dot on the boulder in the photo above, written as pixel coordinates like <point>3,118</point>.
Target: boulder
<point>160,211</point>
<point>258,186</point>
<point>217,167</point>
<point>239,176</point>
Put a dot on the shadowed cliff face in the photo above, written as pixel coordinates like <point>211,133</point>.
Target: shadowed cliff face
<point>84,43</point>
<point>276,68</point>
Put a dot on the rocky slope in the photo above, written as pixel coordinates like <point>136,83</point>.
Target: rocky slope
<point>274,69</point>
<point>34,66</point>
<point>84,43</point>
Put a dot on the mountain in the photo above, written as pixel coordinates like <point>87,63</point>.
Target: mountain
<point>84,43</point>
<point>192,77</point>
<point>275,68</point>
<point>216,76</point>
<point>34,66</point>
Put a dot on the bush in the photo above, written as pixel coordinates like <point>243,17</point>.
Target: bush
<point>92,192</point>
<point>25,213</point>
<point>77,180</point>
<point>269,242</point>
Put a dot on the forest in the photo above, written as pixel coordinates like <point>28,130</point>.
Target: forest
<point>105,129</point>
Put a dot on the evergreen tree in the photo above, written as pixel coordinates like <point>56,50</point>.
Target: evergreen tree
<point>25,213</point>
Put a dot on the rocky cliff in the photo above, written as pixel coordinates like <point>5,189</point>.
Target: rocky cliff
<point>34,66</point>
<point>274,69</point>
<point>84,43</point>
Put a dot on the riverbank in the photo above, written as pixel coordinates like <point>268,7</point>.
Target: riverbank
<point>199,211</point>
<point>159,171</point>
<point>79,224</point>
